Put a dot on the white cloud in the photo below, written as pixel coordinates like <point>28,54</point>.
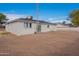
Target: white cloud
<point>58,19</point>
<point>52,20</point>
<point>14,16</point>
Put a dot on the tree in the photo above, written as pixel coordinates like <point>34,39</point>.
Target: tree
<point>2,18</point>
<point>74,15</point>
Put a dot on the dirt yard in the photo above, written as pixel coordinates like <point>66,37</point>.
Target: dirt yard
<point>62,43</point>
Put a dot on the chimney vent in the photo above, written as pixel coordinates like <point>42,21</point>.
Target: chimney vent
<point>29,17</point>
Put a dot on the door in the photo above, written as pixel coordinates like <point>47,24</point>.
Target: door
<point>39,28</point>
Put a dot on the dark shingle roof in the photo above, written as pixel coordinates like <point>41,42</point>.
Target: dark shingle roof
<point>25,20</point>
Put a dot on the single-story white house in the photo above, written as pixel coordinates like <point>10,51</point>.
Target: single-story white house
<point>23,26</point>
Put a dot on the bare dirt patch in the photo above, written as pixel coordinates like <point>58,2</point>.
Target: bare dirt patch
<point>42,44</point>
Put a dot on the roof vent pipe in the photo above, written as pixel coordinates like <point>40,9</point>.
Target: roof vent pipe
<point>30,17</point>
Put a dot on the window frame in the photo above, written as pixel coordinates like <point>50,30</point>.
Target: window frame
<point>25,25</point>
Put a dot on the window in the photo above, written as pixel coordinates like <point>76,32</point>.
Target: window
<point>25,25</point>
<point>30,25</point>
<point>47,26</point>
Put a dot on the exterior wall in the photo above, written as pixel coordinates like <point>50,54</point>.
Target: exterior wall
<point>19,29</point>
<point>60,26</point>
<point>44,28</point>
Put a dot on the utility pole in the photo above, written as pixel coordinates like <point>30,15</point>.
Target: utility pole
<point>37,16</point>
<point>37,11</point>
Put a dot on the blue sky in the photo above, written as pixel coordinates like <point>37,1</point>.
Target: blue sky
<point>47,11</point>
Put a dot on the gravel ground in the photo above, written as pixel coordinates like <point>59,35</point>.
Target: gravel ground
<point>61,43</point>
